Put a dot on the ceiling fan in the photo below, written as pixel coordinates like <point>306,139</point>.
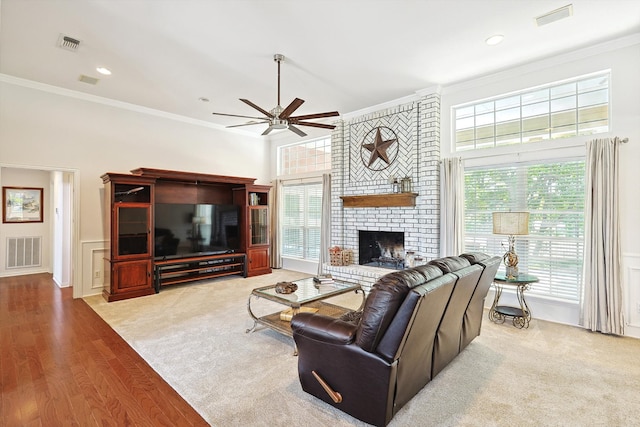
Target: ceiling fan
<point>280,118</point>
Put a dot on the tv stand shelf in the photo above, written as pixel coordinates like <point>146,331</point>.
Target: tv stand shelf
<point>192,268</point>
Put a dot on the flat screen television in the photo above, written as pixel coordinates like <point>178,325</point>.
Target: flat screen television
<point>195,229</point>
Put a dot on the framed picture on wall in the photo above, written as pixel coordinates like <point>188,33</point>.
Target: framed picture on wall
<point>21,204</point>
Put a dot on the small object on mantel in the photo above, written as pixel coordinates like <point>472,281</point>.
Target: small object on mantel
<point>405,185</point>
<point>379,200</point>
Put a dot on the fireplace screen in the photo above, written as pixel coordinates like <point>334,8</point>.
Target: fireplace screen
<point>381,249</point>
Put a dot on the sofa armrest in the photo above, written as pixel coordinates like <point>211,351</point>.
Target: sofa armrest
<point>323,328</point>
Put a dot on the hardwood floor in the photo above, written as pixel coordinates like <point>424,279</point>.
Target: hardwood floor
<point>61,364</point>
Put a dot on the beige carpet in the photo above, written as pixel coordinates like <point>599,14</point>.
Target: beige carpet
<point>547,375</point>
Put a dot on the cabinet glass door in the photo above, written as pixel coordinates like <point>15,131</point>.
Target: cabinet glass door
<point>133,230</point>
<point>259,226</point>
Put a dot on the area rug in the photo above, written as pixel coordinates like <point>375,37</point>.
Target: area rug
<point>195,337</point>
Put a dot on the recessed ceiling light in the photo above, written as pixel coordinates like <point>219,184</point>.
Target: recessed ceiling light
<point>103,70</point>
<point>494,40</point>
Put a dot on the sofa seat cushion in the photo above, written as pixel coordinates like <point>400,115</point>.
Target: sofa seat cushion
<point>383,302</point>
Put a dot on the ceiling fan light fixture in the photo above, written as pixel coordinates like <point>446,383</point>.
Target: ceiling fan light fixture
<point>279,124</point>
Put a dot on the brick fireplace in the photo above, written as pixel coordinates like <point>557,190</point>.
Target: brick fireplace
<point>416,156</point>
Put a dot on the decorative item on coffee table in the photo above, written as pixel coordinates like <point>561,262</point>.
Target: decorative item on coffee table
<point>322,279</point>
<point>287,315</point>
<point>286,287</point>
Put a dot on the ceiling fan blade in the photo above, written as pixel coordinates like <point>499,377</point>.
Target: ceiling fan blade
<point>269,129</point>
<point>265,112</point>
<point>316,116</point>
<point>315,125</point>
<point>296,130</point>
<point>236,115</point>
<point>247,124</point>
<point>295,104</point>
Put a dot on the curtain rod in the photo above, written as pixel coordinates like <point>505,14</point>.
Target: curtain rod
<point>624,140</point>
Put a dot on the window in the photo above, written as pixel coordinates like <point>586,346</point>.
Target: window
<point>300,224</point>
<point>309,156</point>
<point>559,110</point>
<point>553,193</point>
<point>301,204</point>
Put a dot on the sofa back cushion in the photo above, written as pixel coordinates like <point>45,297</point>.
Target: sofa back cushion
<point>415,352</point>
<point>390,344</point>
<point>472,321</point>
<point>447,345</point>
<point>382,303</point>
<point>451,263</point>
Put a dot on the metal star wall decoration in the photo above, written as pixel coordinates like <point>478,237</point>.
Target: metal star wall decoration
<point>378,148</point>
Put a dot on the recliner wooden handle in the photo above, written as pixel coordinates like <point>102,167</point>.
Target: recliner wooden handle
<point>334,395</point>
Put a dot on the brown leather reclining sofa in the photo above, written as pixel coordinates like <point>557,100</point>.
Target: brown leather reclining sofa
<point>414,322</point>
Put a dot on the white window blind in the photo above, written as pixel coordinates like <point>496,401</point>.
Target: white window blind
<point>559,110</point>
<point>301,217</point>
<point>553,193</point>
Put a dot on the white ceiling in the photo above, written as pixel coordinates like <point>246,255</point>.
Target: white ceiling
<point>342,55</point>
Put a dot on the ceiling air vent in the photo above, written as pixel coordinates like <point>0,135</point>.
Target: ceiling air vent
<point>68,43</point>
<point>554,15</point>
<point>88,80</point>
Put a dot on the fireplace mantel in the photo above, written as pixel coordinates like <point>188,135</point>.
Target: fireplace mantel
<point>379,200</point>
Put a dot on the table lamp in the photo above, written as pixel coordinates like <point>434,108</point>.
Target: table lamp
<point>511,224</point>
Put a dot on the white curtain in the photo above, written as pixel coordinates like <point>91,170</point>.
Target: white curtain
<point>274,195</point>
<point>602,308</point>
<point>325,224</point>
<point>451,207</point>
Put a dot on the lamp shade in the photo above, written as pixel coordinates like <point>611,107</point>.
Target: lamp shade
<point>511,223</point>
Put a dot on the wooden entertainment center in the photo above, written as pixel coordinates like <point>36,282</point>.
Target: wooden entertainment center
<point>142,257</point>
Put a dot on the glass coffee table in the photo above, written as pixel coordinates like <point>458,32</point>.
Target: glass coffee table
<point>310,296</point>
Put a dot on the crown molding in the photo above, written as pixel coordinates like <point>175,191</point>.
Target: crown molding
<point>69,93</point>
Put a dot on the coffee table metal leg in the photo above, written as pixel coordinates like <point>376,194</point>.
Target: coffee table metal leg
<point>253,316</point>
<point>364,298</point>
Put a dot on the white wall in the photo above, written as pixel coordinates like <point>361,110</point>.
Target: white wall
<point>27,178</point>
<point>622,57</point>
<point>53,129</point>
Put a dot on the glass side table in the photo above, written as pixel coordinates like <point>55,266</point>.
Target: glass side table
<point>521,315</point>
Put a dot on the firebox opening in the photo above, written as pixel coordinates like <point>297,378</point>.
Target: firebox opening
<point>381,249</point>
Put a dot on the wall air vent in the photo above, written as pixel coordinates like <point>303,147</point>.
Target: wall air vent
<point>554,15</point>
<point>68,43</point>
<point>88,80</point>
<point>24,252</point>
